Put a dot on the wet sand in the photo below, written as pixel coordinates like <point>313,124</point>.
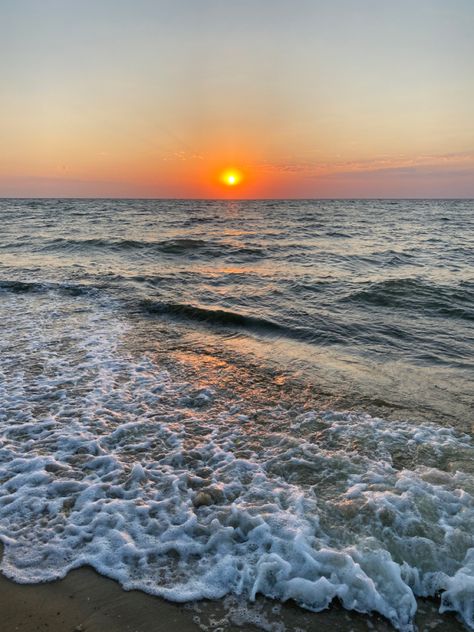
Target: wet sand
<point>87,602</point>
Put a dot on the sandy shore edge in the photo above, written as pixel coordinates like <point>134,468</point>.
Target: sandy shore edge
<point>85,601</point>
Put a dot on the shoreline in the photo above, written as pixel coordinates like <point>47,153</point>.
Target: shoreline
<point>189,393</point>
<point>85,601</point>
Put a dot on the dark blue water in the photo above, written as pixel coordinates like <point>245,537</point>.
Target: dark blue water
<point>284,387</point>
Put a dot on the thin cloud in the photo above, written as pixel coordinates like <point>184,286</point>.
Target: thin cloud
<point>465,160</point>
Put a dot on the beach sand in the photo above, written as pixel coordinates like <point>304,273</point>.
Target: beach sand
<point>86,602</point>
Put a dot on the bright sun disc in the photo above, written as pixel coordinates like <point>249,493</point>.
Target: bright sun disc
<point>231,177</point>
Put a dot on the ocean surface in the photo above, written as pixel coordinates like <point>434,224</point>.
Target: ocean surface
<point>211,398</point>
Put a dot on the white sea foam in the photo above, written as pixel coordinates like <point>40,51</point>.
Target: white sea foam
<point>107,460</point>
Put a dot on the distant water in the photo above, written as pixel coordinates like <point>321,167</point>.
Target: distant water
<point>202,398</point>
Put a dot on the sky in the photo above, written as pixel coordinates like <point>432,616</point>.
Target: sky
<point>302,98</point>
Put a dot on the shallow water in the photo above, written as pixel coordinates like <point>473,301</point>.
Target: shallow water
<point>211,398</point>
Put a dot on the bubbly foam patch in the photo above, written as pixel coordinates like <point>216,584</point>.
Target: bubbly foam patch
<point>107,460</point>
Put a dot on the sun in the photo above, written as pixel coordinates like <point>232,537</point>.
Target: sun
<point>231,177</point>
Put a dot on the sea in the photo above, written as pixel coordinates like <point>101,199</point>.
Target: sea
<point>208,399</point>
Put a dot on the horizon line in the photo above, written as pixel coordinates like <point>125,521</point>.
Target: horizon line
<point>217,199</point>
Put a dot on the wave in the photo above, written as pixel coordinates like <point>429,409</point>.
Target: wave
<point>231,319</point>
<point>309,506</point>
<point>338,234</point>
<point>36,287</point>
<point>182,246</point>
<point>214,316</point>
<point>416,294</point>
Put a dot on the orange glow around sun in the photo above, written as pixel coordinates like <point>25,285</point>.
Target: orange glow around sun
<point>231,177</point>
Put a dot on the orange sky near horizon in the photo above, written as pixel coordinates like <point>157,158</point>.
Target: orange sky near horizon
<point>314,99</point>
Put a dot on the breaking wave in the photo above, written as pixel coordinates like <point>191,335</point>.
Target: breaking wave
<point>107,460</point>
